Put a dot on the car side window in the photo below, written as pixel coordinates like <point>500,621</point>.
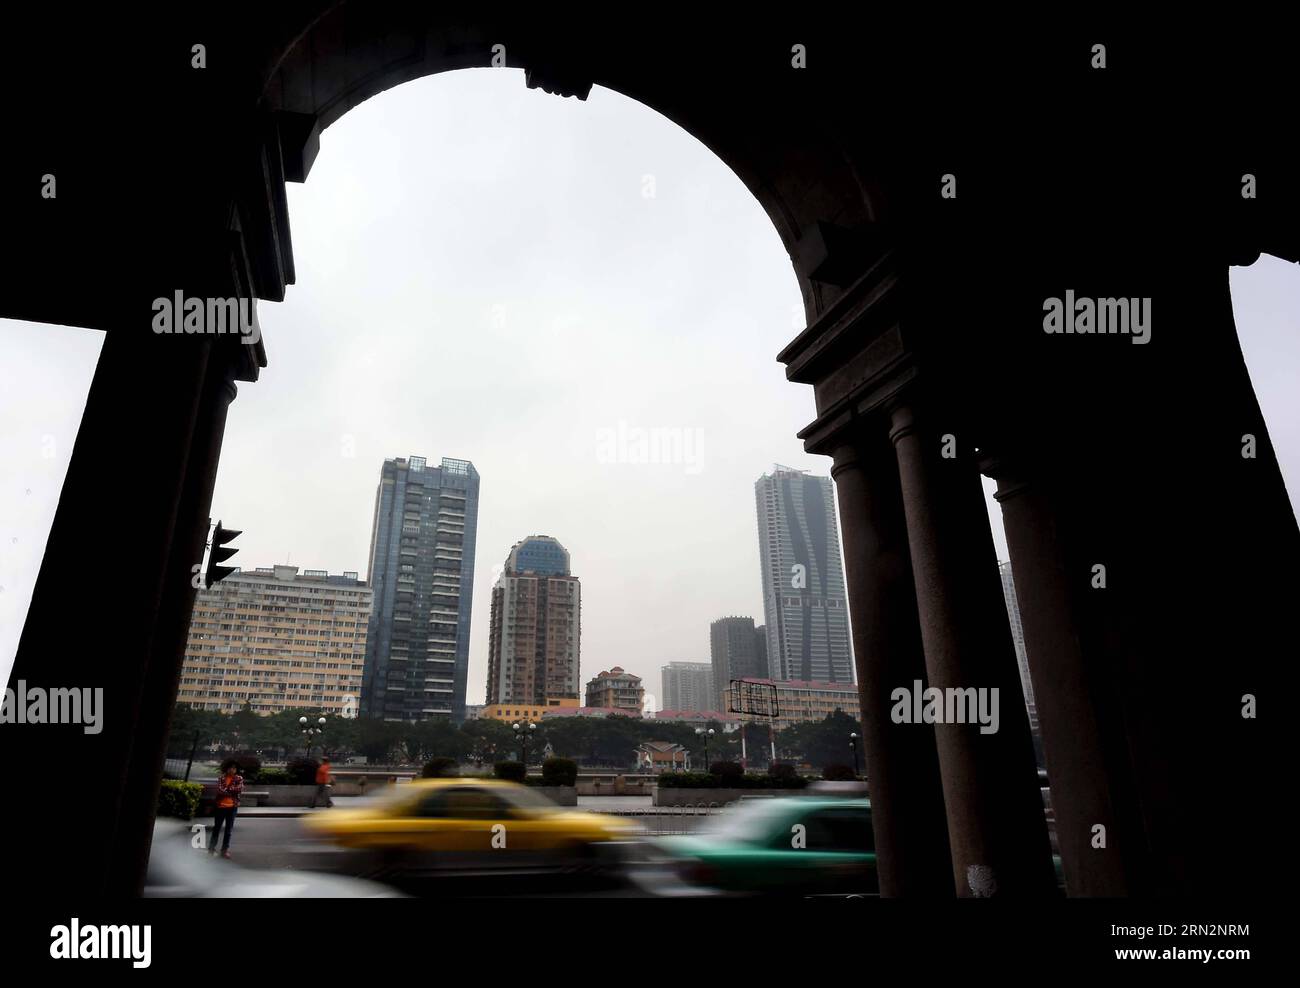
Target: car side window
<point>432,806</point>
<point>474,804</point>
<point>841,830</point>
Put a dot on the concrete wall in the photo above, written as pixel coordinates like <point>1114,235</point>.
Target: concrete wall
<point>616,786</point>
<point>560,795</point>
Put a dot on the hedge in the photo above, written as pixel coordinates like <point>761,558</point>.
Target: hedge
<point>179,799</point>
<point>839,773</point>
<point>302,771</point>
<point>510,771</point>
<point>440,768</point>
<point>559,772</point>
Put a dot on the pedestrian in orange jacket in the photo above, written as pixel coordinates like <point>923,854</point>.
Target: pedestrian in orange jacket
<point>323,783</point>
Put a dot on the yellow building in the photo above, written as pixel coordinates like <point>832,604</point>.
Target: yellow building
<point>278,640</point>
<point>556,706</point>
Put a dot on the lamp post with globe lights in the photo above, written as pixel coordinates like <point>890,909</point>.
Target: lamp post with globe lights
<point>853,746</point>
<point>522,731</point>
<point>706,734</point>
<point>309,731</point>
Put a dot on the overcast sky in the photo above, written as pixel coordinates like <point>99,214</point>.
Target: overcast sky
<point>492,273</point>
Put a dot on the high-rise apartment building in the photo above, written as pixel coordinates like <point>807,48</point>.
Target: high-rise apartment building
<point>616,689</point>
<point>733,654</point>
<point>276,639</point>
<point>534,641</point>
<point>422,572</point>
<point>804,601</point>
<point>688,686</point>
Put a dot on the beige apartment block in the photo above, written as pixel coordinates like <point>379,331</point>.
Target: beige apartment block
<point>278,640</point>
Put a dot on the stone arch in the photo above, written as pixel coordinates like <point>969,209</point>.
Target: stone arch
<point>808,180</point>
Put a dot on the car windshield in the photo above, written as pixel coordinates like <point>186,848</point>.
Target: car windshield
<point>751,822</point>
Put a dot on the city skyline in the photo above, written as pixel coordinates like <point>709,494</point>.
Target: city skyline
<point>362,311</point>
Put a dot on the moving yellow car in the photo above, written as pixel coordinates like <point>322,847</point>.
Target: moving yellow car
<point>461,825</point>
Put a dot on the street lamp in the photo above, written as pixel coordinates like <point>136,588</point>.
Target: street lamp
<point>853,745</point>
<point>522,734</point>
<point>309,731</point>
<point>706,735</point>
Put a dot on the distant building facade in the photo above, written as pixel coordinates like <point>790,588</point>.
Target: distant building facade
<point>800,702</point>
<point>733,654</point>
<point>616,689</point>
<point>276,639</point>
<point>590,712</point>
<point>701,718</point>
<point>688,686</point>
<point>559,707</point>
<point>535,633</point>
<point>422,570</point>
<point>805,605</point>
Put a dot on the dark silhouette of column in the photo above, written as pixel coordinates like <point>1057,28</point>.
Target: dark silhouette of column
<point>907,812</point>
<point>996,825</point>
<point>1065,693</point>
<point>162,678</point>
<point>111,606</point>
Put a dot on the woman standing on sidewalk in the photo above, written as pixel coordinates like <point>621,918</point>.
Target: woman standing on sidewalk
<point>230,785</point>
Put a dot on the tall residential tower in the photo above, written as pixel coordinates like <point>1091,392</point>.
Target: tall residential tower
<point>422,573</point>
<point>534,638</point>
<point>688,686</point>
<point>804,600</point>
<point>734,653</point>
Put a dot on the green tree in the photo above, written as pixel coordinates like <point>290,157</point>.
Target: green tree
<point>820,743</point>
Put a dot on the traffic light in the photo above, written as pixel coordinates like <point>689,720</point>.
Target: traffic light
<point>219,553</point>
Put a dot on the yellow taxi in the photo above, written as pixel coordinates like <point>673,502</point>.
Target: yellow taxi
<point>460,824</point>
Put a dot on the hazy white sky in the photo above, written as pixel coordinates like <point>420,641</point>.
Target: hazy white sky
<point>492,273</point>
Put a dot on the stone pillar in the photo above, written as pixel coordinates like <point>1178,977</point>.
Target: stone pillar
<point>162,679</point>
<point>907,813</point>
<point>1065,693</point>
<point>110,608</point>
<point>996,826</point>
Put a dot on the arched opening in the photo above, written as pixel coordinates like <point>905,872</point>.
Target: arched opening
<point>1105,455</point>
<point>552,290</point>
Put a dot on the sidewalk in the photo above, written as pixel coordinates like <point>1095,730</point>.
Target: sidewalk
<point>340,802</point>
<point>620,805</point>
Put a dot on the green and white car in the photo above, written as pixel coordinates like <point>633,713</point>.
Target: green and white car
<point>794,846</point>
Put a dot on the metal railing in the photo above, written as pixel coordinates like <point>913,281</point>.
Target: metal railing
<point>664,821</point>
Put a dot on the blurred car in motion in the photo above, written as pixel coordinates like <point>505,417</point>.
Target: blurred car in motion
<point>791,846</point>
<point>179,870</point>
<point>473,826</point>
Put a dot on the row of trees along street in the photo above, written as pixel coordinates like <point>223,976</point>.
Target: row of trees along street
<point>593,742</point>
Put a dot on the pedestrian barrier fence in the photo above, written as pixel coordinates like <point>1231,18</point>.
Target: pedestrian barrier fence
<point>664,821</point>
